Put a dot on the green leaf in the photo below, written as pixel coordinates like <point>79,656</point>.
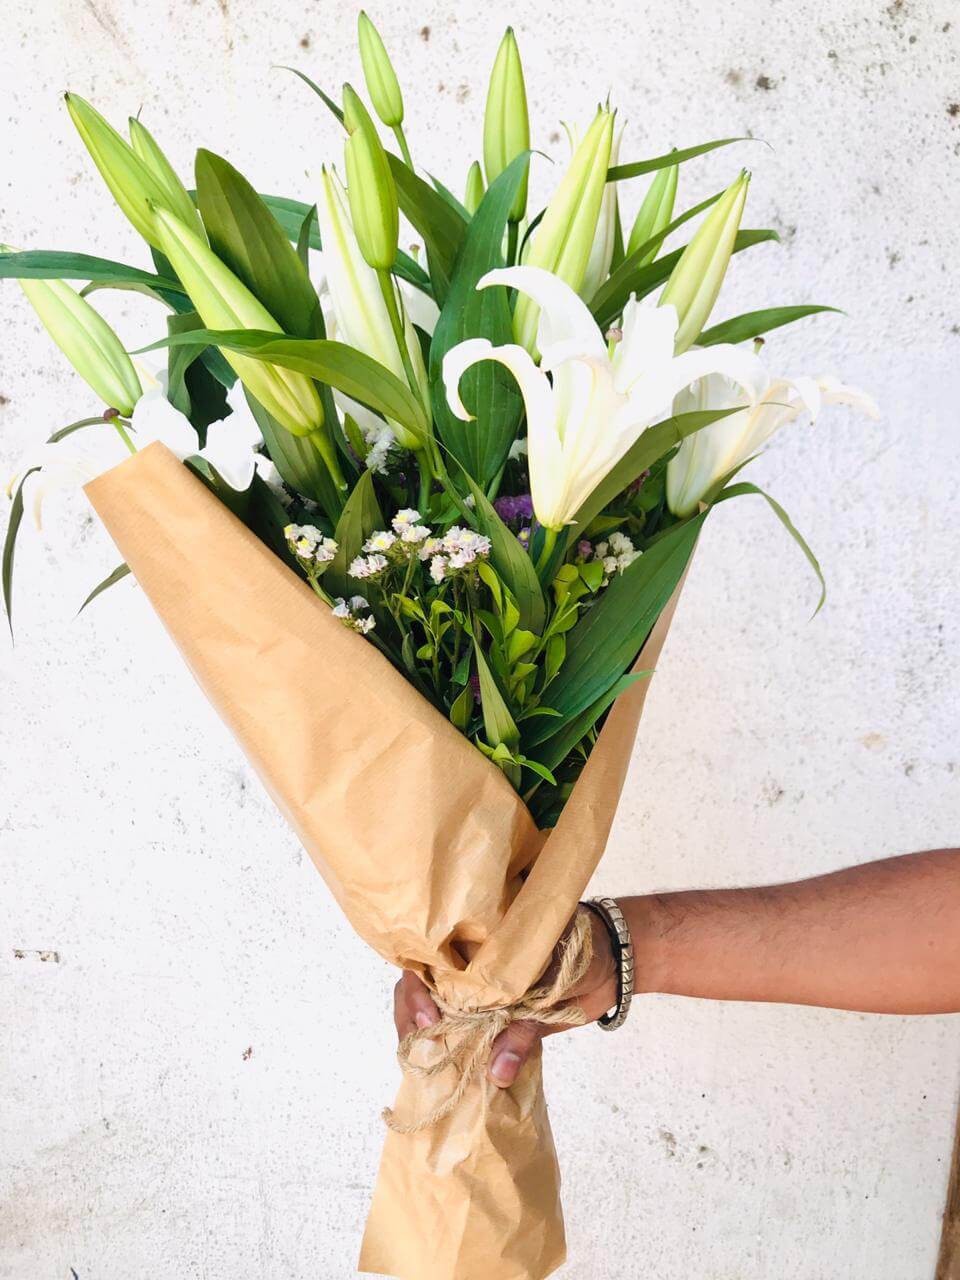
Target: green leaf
<point>489,391</point>
<point>120,572</point>
<point>461,709</point>
<point>648,448</point>
<point>62,432</point>
<point>621,275</point>
<point>297,460</point>
<point>10,546</point>
<point>360,517</point>
<point>246,236</point>
<point>753,323</point>
<point>745,487</point>
<point>622,171</point>
<point>303,239</point>
<point>608,637</point>
<point>555,749</point>
<point>180,360</point>
<point>291,215</point>
<point>324,97</point>
<point>498,724</point>
<point>510,560</point>
<point>607,304</point>
<point>52,264</point>
<point>442,228</point>
<point>335,363</point>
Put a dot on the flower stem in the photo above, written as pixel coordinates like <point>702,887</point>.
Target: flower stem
<point>396,324</point>
<point>401,138</point>
<point>546,551</point>
<point>121,427</point>
<point>513,229</point>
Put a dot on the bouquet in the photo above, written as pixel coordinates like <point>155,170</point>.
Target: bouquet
<point>418,525</point>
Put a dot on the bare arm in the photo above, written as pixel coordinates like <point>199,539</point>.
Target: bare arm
<point>883,937</point>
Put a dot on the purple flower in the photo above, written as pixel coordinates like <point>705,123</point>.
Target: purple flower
<point>584,549</point>
<point>518,507</point>
<point>523,537</point>
<point>475,686</point>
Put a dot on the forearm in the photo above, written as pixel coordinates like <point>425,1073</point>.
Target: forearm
<point>883,937</point>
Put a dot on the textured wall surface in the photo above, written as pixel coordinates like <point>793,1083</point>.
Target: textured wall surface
<point>193,1048</point>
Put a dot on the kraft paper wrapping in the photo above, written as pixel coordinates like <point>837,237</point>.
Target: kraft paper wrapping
<point>425,845</point>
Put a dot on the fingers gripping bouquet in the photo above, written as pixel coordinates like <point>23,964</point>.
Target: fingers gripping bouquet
<point>460,487</point>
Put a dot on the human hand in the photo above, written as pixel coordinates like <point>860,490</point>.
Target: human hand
<point>413,1008</point>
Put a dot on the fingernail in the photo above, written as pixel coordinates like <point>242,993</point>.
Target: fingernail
<point>423,1019</point>
<point>505,1066</point>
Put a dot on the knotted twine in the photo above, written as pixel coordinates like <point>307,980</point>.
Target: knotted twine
<point>468,1035</point>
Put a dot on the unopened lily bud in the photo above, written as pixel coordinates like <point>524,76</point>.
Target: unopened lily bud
<point>506,122</point>
<point>655,213</point>
<point>378,72</point>
<point>132,183</point>
<point>374,210</point>
<point>474,189</point>
<point>224,302</point>
<point>695,283</point>
<point>86,340</point>
<point>175,193</point>
<point>563,242</point>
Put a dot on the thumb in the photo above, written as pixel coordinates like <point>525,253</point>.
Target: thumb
<point>510,1051</point>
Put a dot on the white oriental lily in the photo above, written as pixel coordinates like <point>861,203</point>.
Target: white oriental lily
<point>90,451</point>
<point>584,417</point>
<point>705,457</point>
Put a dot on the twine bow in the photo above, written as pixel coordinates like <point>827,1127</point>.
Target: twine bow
<point>468,1035</point>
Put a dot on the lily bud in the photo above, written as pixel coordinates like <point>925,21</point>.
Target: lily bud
<point>655,212</point>
<point>370,187</point>
<point>506,122</point>
<point>604,239</point>
<point>132,184</point>
<point>474,189</point>
<point>86,340</point>
<point>224,302</point>
<point>175,194</point>
<point>379,74</point>
<point>697,277</point>
<point>360,314</point>
<point>563,242</point>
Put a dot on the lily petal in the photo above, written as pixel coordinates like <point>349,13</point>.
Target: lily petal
<point>567,327</point>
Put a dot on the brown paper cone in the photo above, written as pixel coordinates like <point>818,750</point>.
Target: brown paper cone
<point>328,723</point>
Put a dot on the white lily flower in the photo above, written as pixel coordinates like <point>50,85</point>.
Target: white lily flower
<point>580,424</point>
<point>89,452</point>
<point>708,455</point>
<point>359,309</point>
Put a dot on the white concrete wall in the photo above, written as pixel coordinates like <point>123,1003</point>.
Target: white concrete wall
<point>192,1087</point>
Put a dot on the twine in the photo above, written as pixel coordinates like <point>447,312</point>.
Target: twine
<point>472,1032</point>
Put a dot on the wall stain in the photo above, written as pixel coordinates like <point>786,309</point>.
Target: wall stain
<point>45,957</point>
<point>425,34</point>
<point>765,83</point>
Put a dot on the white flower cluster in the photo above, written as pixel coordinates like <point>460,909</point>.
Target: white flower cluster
<point>616,554</point>
<point>388,546</point>
<point>457,549</point>
<point>311,547</point>
<point>349,611</point>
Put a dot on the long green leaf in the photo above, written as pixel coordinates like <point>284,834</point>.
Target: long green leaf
<point>753,323</point>
<point>648,449</point>
<point>360,517</point>
<point>489,391</point>
<point>347,370</point>
<point>745,487</point>
<point>555,749</point>
<point>297,460</point>
<point>621,275</point>
<point>10,547</point>
<point>499,725</point>
<point>247,237</point>
<point>442,228</point>
<point>291,214</point>
<point>120,572</point>
<point>324,97</point>
<point>620,172</point>
<point>511,561</point>
<point>608,637</point>
<point>52,264</point>
<point>607,307</point>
